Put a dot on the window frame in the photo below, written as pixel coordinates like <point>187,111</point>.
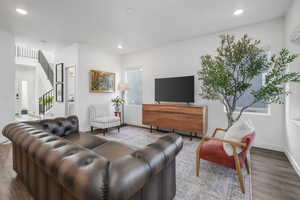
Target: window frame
<point>140,68</point>
<point>254,110</point>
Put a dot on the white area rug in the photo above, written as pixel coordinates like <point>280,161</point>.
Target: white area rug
<point>214,183</point>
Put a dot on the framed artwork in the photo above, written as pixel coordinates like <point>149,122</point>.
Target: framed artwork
<point>101,82</point>
<point>59,70</point>
<point>59,91</point>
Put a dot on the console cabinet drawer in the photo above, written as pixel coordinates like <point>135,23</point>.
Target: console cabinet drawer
<point>178,117</point>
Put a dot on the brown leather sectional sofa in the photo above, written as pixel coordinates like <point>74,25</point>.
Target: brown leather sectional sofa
<point>57,162</point>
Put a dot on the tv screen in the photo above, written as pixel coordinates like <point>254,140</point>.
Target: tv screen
<point>179,89</point>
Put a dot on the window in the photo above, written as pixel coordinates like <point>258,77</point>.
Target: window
<point>134,78</point>
<point>247,98</point>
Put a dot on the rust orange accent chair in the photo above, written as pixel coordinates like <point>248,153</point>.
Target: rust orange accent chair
<point>211,149</point>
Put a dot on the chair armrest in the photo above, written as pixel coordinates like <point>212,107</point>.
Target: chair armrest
<point>216,130</point>
<point>233,143</point>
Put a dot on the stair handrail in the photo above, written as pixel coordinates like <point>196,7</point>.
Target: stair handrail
<point>46,102</point>
<point>46,67</point>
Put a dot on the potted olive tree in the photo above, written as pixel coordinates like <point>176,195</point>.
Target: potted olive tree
<point>227,76</point>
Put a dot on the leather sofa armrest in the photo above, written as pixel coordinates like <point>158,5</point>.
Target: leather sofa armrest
<point>130,173</point>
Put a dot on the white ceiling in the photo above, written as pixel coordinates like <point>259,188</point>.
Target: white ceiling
<point>149,23</point>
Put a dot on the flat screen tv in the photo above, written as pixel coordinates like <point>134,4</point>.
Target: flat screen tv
<point>177,89</point>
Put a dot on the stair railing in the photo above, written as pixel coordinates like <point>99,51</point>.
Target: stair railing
<point>46,67</point>
<point>46,102</point>
<point>26,52</point>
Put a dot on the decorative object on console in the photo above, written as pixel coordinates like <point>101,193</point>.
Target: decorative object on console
<point>211,149</point>
<point>187,118</point>
<point>117,102</point>
<point>59,88</point>
<point>101,81</point>
<point>230,74</point>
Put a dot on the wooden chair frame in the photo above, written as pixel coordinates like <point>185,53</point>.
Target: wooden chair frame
<point>235,155</point>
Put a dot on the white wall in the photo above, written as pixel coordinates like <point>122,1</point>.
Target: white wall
<point>293,101</point>
<point>183,58</point>
<point>87,57</point>
<point>7,80</point>
<point>27,73</point>
<point>70,57</point>
<point>94,58</point>
<point>41,85</point>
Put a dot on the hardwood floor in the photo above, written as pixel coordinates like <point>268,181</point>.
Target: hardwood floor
<point>273,177</point>
<point>11,188</point>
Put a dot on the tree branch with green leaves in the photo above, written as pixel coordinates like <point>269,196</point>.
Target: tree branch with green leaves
<point>230,74</point>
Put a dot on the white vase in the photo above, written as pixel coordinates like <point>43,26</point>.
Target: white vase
<point>117,109</point>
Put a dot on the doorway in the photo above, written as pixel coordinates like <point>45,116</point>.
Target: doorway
<point>70,90</point>
<point>25,90</point>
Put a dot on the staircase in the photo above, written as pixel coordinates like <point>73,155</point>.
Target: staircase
<point>46,101</point>
<point>46,67</point>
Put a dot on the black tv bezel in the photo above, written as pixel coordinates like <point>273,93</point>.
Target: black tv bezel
<point>159,101</point>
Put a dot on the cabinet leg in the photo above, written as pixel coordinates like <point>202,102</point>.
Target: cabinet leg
<point>191,136</point>
<point>150,129</point>
<point>92,129</point>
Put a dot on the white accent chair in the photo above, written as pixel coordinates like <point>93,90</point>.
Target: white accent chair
<point>100,117</point>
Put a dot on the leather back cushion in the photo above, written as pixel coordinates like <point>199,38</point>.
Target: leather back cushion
<point>59,126</point>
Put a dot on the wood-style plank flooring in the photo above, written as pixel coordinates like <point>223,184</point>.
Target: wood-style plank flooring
<point>273,177</point>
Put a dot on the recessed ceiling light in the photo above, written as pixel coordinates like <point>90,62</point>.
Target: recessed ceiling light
<point>21,11</point>
<point>120,46</point>
<point>238,12</point>
<point>130,10</point>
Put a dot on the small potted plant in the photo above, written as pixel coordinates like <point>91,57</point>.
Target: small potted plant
<point>117,102</point>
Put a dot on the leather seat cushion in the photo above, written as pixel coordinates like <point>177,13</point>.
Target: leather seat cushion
<point>106,119</point>
<point>112,150</point>
<point>86,140</point>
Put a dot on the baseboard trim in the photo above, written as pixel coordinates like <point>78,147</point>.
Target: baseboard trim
<point>293,162</point>
<point>270,147</point>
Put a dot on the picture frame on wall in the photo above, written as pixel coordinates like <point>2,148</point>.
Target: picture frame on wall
<point>102,82</point>
<point>59,71</point>
<point>59,88</point>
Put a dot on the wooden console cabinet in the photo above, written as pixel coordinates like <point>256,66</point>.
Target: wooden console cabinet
<point>187,118</point>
